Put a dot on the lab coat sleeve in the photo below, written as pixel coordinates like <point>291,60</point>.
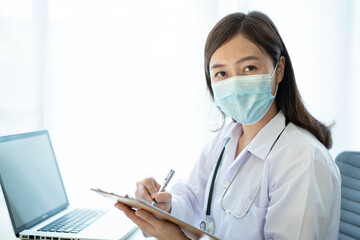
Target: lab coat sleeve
<point>304,192</point>
<point>188,196</point>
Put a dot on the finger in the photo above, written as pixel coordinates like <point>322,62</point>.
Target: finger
<point>161,206</point>
<point>142,192</point>
<point>164,197</point>
<point>161,229</point>
<point>158,186</point>
<point>149,218</point>
<point>150,185</point>
<point>127,210</point>
<point>143,225</point>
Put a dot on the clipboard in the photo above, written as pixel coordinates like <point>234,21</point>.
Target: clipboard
<point>188,229</point>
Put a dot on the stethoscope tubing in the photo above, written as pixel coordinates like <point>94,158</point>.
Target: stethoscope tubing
<point>208,208</point>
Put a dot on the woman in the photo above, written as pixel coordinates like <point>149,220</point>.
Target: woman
<point>267,174</point>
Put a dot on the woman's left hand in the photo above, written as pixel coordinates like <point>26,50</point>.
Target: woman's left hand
<point>149,224</point>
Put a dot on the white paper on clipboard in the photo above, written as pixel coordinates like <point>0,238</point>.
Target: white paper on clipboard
<point>190,230</point>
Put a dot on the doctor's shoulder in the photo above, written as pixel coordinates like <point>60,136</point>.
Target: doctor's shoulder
<point>299,145</point>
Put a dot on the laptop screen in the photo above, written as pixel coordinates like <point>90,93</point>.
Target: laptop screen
<point>30,179</point>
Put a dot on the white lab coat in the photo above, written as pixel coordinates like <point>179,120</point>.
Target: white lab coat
<point>299,196</point>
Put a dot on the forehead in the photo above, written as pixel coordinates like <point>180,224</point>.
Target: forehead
<point>237,47</point>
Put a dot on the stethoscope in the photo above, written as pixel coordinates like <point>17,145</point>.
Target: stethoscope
<point>208,224</point>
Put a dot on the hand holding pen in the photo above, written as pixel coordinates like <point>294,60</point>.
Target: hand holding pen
<point>149,190</point>
<point>164,185</point>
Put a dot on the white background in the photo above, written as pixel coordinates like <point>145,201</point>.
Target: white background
<point>120,84</point>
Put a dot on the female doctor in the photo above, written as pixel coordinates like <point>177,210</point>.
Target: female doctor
<point>267,174</point>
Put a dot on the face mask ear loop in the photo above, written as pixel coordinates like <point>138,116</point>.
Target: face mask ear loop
<point>272,74</point>
<point>277,85</point>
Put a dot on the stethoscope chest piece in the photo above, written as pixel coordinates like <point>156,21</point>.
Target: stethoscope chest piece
<point>208,225</point>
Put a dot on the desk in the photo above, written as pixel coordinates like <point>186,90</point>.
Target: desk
<point>7,233</point>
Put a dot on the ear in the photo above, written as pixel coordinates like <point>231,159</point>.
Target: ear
<point>280,69</point>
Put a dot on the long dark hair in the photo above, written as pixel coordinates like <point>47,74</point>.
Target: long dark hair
<point>259,29</point>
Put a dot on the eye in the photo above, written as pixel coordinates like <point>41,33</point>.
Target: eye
<point>220,74</point>
<point>249,68</point>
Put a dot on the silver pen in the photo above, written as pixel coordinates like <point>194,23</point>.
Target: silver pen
<point>166,182</point>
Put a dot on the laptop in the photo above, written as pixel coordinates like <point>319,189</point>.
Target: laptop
<point>36,198</point>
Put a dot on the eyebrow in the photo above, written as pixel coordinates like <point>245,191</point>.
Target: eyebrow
<point>237,62</point>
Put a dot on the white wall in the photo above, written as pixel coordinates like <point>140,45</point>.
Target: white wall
<point>20,90</point>
<point>125,90</point>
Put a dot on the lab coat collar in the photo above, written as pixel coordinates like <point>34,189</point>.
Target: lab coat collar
<point>261,144</point>
<point>235,131</point>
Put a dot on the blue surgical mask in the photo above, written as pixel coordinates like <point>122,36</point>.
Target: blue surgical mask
<point>245,99</point>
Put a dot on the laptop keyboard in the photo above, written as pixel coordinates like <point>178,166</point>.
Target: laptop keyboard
<point>73,222</point>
